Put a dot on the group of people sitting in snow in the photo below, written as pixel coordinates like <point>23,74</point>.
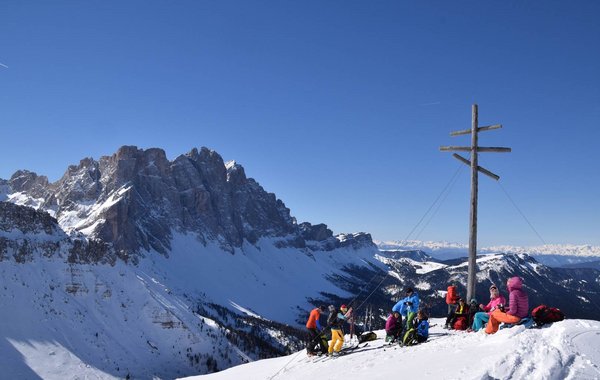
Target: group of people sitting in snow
<point>407,324</point>
<point>474,317</point>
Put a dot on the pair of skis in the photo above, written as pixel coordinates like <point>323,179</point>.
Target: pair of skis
<point>348,350</point>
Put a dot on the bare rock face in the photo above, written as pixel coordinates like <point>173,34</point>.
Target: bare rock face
<point>26,220</point>
<point>4,189</point>
<point>30,183</point>
<point>136,199</point>
<point>80,183</point>
<point>317,232</point>
<point>26,233</point>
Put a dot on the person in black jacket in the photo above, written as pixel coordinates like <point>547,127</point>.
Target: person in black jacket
<point>462,310</point>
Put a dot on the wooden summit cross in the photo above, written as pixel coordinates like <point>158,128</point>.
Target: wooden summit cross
<point>475,168</point>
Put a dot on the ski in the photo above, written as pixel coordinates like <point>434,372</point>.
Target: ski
<point>320,358</point>
<point>349,350</point>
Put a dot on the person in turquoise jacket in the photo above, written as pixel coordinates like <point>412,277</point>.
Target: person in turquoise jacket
<point>408,306</point>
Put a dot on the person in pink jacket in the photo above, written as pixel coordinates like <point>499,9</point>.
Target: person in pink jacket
<point>482,317</point>
<point>393,327</point>
<point>518,302</point>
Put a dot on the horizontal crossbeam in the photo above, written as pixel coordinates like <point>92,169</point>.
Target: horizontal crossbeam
<point>480,129</point>
<point>479,149</point>
<point>494,149</point>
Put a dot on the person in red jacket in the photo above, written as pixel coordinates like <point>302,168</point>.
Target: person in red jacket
<point>518,302</point>
<point>315,332</point>
<point>452,298</point>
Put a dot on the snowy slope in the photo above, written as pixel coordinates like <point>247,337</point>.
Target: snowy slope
<point>62,321</point>
<point>97,321</point>
<point>564,350</point>
<point>257,277</point>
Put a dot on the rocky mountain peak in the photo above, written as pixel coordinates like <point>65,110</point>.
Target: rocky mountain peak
<point>79,183</point>
<point>29,182</point>
<point>137,198</point>
<point>236,174</point>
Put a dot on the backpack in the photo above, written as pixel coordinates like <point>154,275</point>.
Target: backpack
<point>460,323</point>
<point>367,337</point>
<point>544,314</point>
<point>410,337</point>
<point>451,296</point>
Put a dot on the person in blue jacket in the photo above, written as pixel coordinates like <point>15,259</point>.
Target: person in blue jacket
<point>418,331</point>
<point>408,306</point>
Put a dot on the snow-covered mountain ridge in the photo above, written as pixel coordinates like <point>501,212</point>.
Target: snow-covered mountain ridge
<point>547,249</point>
<point>574,290</point>
<point>548,253</point>
<point>563,350</point>
<point>136,198</point>
<point>196,310</point>
<point>185,264</point>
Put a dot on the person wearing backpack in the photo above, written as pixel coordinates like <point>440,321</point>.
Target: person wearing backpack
<point>518,302</point>
<point>482,317</point>
<point>451,298</point>
<point>336,322</point>
<point>393,327</point>
<point>418,331</point>
<point>315,332</point>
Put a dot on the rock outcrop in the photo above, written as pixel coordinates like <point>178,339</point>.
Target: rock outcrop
<point>136,198</point>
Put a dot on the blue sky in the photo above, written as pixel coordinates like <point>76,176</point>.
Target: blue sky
<point>338,107</point>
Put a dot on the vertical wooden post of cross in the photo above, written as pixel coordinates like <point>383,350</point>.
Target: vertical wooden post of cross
<point>473,212</point>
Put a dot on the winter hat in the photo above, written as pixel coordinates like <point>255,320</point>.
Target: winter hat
<point>514,283</point>
<point>343,307</point>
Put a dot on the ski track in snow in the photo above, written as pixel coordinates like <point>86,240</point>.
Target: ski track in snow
<point>564,350</point>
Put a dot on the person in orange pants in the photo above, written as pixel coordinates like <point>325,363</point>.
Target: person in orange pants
<point>518,301</point>
<point>498,317</point>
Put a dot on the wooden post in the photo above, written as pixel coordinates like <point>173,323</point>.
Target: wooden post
<point>473,213</point>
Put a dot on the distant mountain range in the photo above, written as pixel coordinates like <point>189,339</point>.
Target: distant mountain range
<point>135,264</point>
<point>557,255</point>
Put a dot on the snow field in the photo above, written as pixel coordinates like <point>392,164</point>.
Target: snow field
<point>564,350</point>
<point>95,322</point>
<point>253,279</point>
